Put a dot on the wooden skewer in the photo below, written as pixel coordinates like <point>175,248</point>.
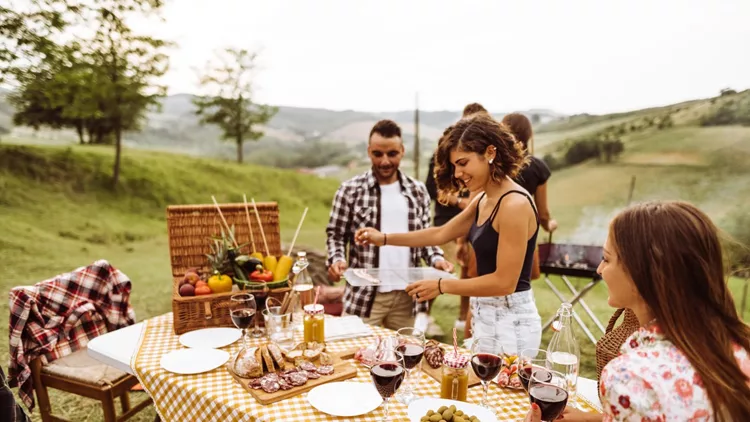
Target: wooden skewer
<point>225,221</point>
<point>299,226</point>
<point>285,303</point>
<point>249,226</point>
<point>262,233</point>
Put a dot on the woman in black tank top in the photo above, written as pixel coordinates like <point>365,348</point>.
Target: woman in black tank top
<point>481,154</point>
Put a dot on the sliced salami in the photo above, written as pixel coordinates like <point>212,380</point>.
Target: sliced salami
<point>271,377</point>
<point>285,385</point>
<point>270,386</point>
<point>298,379</point>
<point>289,371</point>
<point>307,366</point>
<point>325,369</point>
<point>312,375</point>
<point>255,383</point>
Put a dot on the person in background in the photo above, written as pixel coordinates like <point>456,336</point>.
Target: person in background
<point>10,410</point>
<point>533,177</point>
<point>457,251</point>
<point>690,358</point>
<point>387,199</point>
<point>480,154</point>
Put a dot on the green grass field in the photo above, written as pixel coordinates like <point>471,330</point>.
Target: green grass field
<point>57,213</point>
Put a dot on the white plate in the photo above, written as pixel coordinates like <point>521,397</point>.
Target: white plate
<point>345,398</point>
<point>210,338</point>
<point>419,408</point>
<point>193,361</point>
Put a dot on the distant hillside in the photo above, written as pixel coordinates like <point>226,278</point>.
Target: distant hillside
<point>176,128</point>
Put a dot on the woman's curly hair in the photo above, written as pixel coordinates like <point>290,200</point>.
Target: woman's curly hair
<point>475,134</point>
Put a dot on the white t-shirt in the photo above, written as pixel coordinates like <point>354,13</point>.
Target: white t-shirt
<point>394,218</point>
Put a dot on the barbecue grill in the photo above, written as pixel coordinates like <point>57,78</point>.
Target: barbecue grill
<point>571,260</point>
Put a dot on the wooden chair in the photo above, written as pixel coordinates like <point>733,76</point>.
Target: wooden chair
<point>82,375</point>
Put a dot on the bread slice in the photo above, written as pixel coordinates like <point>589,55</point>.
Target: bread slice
<point>259,359</point>
<point>267,359</point>
<point>246,364</point>
<point>278,357</point>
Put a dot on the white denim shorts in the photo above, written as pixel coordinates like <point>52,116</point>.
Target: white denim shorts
<point>512,319</point>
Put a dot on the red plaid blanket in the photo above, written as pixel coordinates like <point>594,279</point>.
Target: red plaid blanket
<point>59,316</point>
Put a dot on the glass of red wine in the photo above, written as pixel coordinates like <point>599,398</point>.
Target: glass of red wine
<point>487,361</point>
<point>530,359</point>
<point>242,311</point>
<point>260,303</point>
<point>549,390</point>
<point>387,374</point>
<point>411,345</point>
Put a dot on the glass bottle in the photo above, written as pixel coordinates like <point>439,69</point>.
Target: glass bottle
<point>302,287</point>
<point>563,354</point>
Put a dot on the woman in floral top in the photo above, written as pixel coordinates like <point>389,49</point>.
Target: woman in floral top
<point>689,360</point>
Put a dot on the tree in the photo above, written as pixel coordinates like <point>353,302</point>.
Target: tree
<point>229,103</point>
<point>127,66</point>
<point>102,85</point>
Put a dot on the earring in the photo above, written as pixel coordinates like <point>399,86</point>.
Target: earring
<point>491,160</point>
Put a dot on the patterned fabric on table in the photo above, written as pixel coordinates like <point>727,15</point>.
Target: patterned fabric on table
<point>357,205</point>
<point>59,316</point>
<point>216,396</point>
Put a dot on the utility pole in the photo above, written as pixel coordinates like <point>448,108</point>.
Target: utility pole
<point>416,136</point>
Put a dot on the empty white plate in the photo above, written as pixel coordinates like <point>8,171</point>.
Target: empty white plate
<point>193,361</point>
<point>419,408</point>
<point>345,398</point>
<point>210,338</point>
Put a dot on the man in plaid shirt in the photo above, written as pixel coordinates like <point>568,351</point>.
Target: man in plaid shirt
<point>389,200</point>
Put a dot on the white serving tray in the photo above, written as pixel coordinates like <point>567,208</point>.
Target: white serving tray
<point>392,277</point>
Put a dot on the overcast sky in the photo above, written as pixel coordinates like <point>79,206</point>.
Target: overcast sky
<point>571,56</point>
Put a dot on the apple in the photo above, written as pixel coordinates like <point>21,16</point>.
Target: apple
<point>187,290</point>
<point>192,277</point>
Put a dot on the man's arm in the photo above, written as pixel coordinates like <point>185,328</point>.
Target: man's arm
<point>338,223</point>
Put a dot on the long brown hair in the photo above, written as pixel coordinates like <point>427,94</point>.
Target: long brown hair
<point>520,126</point>
<point>475,134</point>
<point>672,252</point>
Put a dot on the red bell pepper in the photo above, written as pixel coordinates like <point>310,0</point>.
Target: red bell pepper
<point>261,275</point>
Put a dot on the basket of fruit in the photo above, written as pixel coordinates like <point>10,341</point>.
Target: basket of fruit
<point>213,254</point>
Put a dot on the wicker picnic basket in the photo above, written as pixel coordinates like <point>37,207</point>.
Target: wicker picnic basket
<point>190,228</point>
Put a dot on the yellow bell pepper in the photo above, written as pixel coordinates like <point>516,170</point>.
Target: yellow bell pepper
<point>220,283</point>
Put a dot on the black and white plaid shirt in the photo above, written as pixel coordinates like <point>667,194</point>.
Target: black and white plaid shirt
<point>356,205</point>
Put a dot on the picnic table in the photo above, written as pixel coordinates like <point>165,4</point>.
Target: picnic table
<point>216,395</point>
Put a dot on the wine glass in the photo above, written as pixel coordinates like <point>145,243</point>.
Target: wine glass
<point>387,375</point>
<point>487,361</point>
<point>530,359</point>
<point>411,345</point>
<point>260,303</point>
<point>549,390</point>
<point>242,311</point>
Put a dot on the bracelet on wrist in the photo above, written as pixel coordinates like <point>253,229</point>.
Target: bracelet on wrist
<point>385,239</point>
<point>439,289</point>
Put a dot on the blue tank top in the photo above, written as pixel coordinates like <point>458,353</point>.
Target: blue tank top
<point>484,240</point>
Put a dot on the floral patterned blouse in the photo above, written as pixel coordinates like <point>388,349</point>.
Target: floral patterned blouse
<point>652,380</point>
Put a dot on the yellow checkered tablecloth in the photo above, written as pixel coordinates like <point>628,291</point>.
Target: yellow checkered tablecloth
<point>216,396</point>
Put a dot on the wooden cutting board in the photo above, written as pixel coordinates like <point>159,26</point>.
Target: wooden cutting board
<point>436,373</point>
<point>342,370</point>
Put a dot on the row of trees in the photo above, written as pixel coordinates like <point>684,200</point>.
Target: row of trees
<point>103,83</point>
<point>606,150</point>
